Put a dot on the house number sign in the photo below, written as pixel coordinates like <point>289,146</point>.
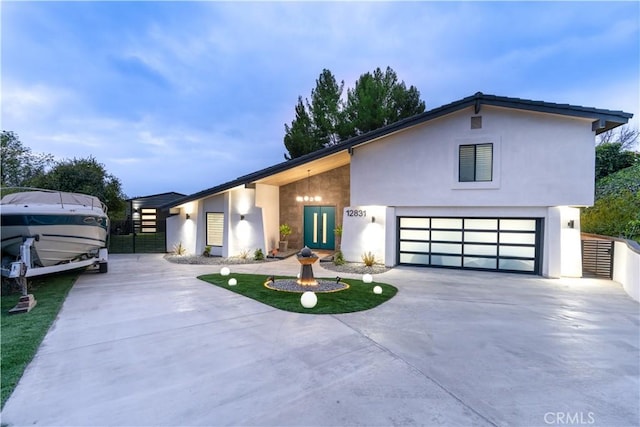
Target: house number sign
<point>356,212</point>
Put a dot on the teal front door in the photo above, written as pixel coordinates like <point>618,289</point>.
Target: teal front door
<point>319,223</point>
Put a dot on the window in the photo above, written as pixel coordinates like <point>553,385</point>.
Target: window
<point>215,228</point>
<point>148,220</point>
<point>475,163</point>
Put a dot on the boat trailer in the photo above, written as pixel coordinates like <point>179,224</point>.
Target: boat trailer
<point>24,267</point>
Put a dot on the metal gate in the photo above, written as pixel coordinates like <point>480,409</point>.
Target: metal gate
<point>134,236</point>
<point>597,258</point>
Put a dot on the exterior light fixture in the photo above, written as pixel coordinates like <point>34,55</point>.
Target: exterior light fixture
<point>308,197</point>
<point>373,219</point>
<point>241,217</point>
<point>232,282</point>
<point>377,290</point>
<point>571,224</point>
<point>224,271</point>
<point>188,216</point>
<point>367,278</point>
<point>308,299</point>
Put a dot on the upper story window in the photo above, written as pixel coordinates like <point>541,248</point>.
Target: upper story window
<point>475,163</point>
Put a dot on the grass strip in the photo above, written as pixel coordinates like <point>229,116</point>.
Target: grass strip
<point>358,297</point>
<point>23,333</point>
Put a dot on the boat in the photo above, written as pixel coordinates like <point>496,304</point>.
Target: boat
<point>66,226</point>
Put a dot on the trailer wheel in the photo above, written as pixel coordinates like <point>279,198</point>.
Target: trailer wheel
<point>103,267</point>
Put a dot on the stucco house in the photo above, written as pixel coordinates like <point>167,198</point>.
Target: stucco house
<point>487,182</point>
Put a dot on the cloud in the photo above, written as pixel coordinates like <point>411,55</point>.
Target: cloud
<point>134,67</point>
<point>21,102</point>
<point>181,96</point>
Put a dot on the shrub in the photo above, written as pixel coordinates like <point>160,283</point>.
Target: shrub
<point>258,255</point>
<point>338,258</point>
<point>244,254</point>
<point>207,251</point>
<point>368,258</point>
<point>632,230</point>
<point>625,179</point>
<point>285,231</point>
<point>612,214</point>
<point>179,249</point>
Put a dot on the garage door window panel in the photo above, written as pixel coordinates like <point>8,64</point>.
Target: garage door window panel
<point>483,263</point>
<point>446,248</point>
<point>516,265</point>
<point>407,222</point>
<point>446,261</point>
<point>480,237</point>
<point>420,259</point>
<point>518,238</point>
<point>446,236</point>
<point>488,250</point>
<point>414,246</point>
<point>414,234</point>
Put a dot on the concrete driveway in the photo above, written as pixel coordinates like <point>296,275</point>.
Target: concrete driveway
<point>148,344</point>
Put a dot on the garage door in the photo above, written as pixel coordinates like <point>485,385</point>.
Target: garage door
<point>498,244</point>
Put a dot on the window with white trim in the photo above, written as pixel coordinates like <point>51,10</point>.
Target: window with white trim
<point>475,163</point>
<point>215,228</point>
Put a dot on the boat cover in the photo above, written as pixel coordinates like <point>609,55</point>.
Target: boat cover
<point>52,198</point>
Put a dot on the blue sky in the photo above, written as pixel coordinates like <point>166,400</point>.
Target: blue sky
<point>183,96</point>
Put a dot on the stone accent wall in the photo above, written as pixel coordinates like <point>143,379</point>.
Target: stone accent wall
<point>334,188</point>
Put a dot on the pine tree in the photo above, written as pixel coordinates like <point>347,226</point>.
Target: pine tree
<point>377,100</point>
<point>300,138</point>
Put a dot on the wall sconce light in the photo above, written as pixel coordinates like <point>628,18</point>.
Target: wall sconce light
<point>188,216</point>
<point>241,217</point>
<point>571,224</point>
<point>373,219</point>
<point>135,210</point>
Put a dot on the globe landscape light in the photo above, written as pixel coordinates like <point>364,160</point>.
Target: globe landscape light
<point>377,290</point>
<point>232,282</point>
<point>367,278</point>
<point>224,271</point>
<point>308,299</point>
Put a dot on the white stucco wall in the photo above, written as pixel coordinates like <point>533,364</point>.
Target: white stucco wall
<point>626,268</point>
<point>539,160</point>
<point>268,199</point>
<point>245,235</point>
<point>215,204</point>
<point>364,230</point>
<point>181,230</point>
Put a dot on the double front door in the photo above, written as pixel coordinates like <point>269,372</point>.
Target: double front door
<point>319,223</point>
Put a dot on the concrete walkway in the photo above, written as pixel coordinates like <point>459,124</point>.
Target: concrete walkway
<point>148,344</point>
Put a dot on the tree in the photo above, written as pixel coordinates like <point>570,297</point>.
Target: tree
<point>85,176</point>
<point>300,138</point>
<point>19,166</point>
<point>377,100</point>
<point>611,157</point>
<point>326,109</point>
<point>624,135</point>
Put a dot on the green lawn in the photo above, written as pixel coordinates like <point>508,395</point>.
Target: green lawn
<point>358,297</point>
<point>23,333</point>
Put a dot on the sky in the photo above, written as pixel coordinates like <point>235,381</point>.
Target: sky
<point>184,96</point>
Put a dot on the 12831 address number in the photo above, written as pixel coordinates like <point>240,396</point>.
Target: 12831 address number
<point>356,212</point>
